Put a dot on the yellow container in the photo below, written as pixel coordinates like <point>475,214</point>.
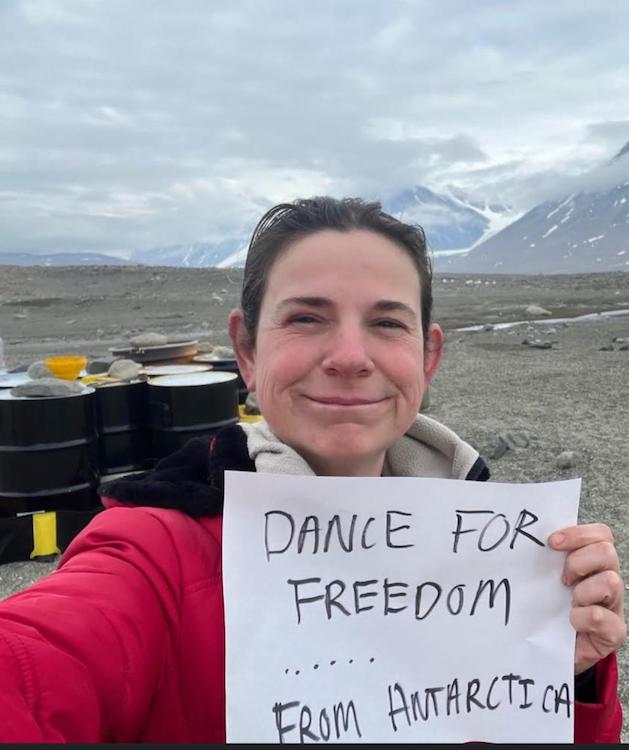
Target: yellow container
<point>66,367</point>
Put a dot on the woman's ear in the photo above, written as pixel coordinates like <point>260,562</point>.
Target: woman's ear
<point>433,349</point>
<point>244,348</point>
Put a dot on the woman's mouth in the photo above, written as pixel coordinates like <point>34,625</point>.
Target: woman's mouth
<point>347,401</point>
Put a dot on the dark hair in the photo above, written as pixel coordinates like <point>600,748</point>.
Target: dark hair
<point>288,222</point>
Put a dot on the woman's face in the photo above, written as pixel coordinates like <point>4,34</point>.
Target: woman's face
<point>339,366</point>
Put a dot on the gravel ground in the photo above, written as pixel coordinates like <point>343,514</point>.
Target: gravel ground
<point>572,396</point>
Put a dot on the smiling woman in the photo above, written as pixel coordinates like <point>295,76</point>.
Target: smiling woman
<point>339,362</point>
<point>125,642</point>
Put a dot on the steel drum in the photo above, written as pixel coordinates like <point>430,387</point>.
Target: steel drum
<point>230,365</point>
<point>48,453</point>
<point>185,406</point>
<point>124,430</point>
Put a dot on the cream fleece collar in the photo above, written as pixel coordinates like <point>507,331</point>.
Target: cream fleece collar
<point>428,449</point>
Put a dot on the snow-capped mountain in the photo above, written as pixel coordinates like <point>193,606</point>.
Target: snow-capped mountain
<point>194,255</point>
<point>585,231</point>
<point>452,220</point>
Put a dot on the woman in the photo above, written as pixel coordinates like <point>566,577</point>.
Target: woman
<point>125,642</point>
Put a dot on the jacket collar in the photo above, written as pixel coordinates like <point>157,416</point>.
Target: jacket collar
<point>192,479</point>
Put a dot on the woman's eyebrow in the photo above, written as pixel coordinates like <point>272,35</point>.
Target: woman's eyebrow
<point>307,301</point>
<point>391,305</point>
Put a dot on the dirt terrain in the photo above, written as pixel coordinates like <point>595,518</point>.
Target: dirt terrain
<point>521,405</point>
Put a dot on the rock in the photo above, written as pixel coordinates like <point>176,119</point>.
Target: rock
<point>488,327</point>
<point>20,316</point>
<point>251,404</point>
<point>179,338</point>
<point>566,460</point>
<point>39,370</point>
<point>537,311</point>
<point>217,298</point>
<point>620,340</point>
<point>537,343</point>
<point>606,348</point>
<point>541,345</point>
<point>223,352</point>
<point>515,439</point>
<point>71,322</point>
<point>48,387</point>
<point>99,365</point>
<point>124,369</point>
<point>500,448</point>
<point>149,339</point>
<point>624,348</point>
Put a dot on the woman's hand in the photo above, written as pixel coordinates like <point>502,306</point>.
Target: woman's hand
<point>592,568</point>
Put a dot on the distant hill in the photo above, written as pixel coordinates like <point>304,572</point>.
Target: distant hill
<point>62,259</point>
<point>585,231</point>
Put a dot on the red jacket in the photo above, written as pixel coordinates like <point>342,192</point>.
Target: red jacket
<point>125,641</point>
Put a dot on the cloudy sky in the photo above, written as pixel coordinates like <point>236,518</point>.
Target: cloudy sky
<point>126,124</point>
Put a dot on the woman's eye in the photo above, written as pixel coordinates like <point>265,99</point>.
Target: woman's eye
<point>394,324</point>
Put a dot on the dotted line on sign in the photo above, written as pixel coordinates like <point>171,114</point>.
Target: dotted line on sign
<point>332,663</point>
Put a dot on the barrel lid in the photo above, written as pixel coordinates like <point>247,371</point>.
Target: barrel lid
<point>6,395</point>
<point>211,359</point>
<point>157,370</point>
<point>195,378</point>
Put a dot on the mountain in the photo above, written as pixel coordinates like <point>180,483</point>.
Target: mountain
<point>452,220</point>
<point>194,255</point>
<point>584,231</point>
<point>61,259</point>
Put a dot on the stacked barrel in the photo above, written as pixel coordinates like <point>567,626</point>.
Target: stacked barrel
<point>54,450</point>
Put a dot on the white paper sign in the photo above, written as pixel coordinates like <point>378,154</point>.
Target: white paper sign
<point>396,610</point>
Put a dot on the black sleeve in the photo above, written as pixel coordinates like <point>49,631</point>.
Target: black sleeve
<point>585,686</point>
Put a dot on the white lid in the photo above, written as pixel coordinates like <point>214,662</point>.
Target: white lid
<point>174,369</point>
<point>195,378</point>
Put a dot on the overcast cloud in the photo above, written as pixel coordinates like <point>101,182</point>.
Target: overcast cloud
<point>129,124</point>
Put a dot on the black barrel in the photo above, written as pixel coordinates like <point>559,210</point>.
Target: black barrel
<point>124,430</point>
<point>231,365</point>
<point>186,406</point>
<point>48,453</point>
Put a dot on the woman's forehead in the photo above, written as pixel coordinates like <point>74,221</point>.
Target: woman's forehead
<point>354,250</point>
<point>336,268</point>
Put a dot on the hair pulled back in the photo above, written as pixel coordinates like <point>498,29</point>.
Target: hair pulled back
<point>288,222</point>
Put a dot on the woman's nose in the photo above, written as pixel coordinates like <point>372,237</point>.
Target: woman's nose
<point>347,353</point>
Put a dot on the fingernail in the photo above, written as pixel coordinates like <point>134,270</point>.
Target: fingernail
<point>557,539</point>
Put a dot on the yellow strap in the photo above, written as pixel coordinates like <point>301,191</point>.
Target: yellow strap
<point>44,535</point>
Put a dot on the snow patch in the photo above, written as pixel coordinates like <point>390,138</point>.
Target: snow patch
<point>560,206</point>
<point>550,231</point>
<point>567,216</point>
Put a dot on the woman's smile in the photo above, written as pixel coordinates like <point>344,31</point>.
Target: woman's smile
<point>344,402</point>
